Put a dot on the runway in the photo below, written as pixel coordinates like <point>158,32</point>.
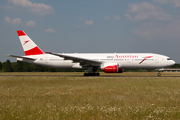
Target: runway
<point>82,76</point>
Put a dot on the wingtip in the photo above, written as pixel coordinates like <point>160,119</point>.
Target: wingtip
<point>21,33</point>
<point>8,55</point>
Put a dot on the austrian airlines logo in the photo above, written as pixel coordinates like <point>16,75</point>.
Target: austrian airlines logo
<point>26,42</point>
<point>145,58</point>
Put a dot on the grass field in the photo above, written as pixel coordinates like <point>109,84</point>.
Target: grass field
<point>69,98</point>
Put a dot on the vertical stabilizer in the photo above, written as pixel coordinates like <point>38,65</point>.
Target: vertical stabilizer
<point>30,48</point>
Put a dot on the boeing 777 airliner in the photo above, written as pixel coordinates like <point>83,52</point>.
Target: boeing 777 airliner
<point>108,62</point>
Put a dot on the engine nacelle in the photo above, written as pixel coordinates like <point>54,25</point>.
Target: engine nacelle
<point>111,68</point>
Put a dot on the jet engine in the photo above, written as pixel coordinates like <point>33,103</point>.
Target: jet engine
<point>111,68</point>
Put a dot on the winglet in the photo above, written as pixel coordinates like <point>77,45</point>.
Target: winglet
<point>30,48</point>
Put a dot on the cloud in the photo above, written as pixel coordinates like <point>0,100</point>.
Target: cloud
<point>176,3</point>
<point>146,11</point>
<point>77,26</point>
<point>106,17</point>
<point>89,22</point>
<point>7,19</point>
<point>37,8</point>
<point>163,1</point>
<point>158,30</point>
<point>116,17</point>
<point>15,21</point>
<point>50,30</point>
<point>128,16</point>
<point>80,18</point>
<point>30,23</point>
<point>6,7</point>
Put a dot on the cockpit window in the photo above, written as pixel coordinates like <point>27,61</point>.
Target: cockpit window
<point>169,59</point>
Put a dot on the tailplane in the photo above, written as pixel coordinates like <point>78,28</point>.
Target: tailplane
<point>30,48</point>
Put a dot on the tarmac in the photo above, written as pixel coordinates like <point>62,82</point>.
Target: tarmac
<point>81,76</point>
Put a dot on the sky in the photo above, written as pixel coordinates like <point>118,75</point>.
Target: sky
<point>92,26</point>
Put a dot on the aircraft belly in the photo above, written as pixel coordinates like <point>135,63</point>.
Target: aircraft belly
<point>56,64</point>
<point>145,65</point>
<point>62,64</point>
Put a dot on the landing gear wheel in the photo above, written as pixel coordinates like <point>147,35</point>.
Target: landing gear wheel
<point>85,74</point>
<point>91,74</point>
<point>159,74</point>
<point>97,74</point>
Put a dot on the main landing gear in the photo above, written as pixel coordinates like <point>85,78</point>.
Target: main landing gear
<point>91,74</point>
<point>91,71</point>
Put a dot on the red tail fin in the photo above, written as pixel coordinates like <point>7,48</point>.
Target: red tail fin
<point>30,48</point>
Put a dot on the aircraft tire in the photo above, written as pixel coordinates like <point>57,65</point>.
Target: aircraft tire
<point>85,74</point>
<point>159,74</point>
<point>91,74</point>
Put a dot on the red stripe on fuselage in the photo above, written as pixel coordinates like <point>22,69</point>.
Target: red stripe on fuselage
<point>20,33</point>
<point>34,51</point>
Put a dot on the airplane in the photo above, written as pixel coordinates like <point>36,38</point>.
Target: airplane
<point>108,62</point>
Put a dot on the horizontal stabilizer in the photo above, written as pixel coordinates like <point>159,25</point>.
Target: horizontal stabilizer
<point>20,57</point>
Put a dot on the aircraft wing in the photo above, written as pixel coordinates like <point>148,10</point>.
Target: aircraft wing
<point>82,61</point>
<point>20,57</point>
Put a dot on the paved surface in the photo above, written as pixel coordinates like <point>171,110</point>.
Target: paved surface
<point>75,76</point>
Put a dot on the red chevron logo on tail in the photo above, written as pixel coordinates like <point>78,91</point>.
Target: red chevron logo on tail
<point>26,42</point>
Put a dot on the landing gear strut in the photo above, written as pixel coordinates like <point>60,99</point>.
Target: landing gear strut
<point>91,74</point>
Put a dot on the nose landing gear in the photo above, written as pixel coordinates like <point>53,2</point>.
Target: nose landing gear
<point>159,74</point>
<point>160,70</point>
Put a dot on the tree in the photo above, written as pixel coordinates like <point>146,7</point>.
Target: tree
<point>0,65</point>
<point>14,66</point>
<point>8,66</point>
<point>175,66</point>
<point>20,66</point>
<point>26,67</point>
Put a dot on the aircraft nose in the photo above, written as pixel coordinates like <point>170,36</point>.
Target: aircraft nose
<point>172,62</point>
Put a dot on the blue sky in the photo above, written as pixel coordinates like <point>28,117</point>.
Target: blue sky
<point>96,26</point>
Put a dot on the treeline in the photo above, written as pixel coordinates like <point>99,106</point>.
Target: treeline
<point>175,66</point>
<point>20,66</point>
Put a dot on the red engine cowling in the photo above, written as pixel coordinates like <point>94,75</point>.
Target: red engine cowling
<point>111,68</point>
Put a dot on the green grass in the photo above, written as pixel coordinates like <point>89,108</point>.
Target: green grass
<point>69,98</point>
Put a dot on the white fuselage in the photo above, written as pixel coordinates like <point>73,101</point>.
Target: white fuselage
<point>108,62</point>
<point>125,60</point>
